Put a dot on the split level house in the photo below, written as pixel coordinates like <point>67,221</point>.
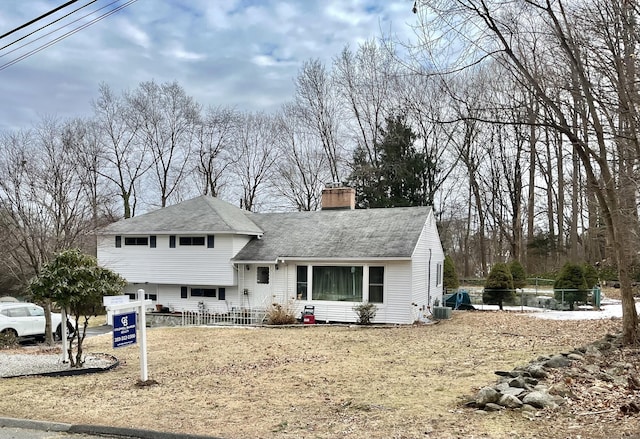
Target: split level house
<point>205,253</point>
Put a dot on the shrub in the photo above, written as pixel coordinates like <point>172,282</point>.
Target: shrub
<point>366,312</point>
<point>450,277</point>
<point>499,286</point>
<point>281,314</point>
<point>518,274</point>
<point>571,285</point>
<point>590,275</point>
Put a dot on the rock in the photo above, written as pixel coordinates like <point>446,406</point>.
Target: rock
<point>528,408</point>
<point>503,373</point>
<point>575,357</point>
<point>513,391</point>
<point>510,401</point>
<point>487,395</point>
<point>537,371</point>
<point>593,351</point>
<point>491,407</point>
<point>540,400</point>
<point>518,382</point>
<point>591,368</point>
<point>561,389</point>
<point>557,361</point>
<point>530,381</point>
<point>604,376</point>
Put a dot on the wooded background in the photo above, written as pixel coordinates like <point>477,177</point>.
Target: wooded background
<point>517,120</point>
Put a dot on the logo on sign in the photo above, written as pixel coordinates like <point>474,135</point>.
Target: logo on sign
<point>124,330</point>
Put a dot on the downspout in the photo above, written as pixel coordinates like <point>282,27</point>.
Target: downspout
<point>429,282</point>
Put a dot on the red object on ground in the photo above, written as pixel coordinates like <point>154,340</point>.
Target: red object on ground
<point>309,319</point>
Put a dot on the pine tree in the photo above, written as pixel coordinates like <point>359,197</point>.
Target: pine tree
<point>499,286</point>
<point>396,177</point>
<point>450,277</point>
<point>571,285</point>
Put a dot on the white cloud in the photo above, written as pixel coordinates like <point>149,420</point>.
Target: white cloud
<point>241,53</point>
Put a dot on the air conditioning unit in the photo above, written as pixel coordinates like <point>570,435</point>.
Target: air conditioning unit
<point>441,312</point>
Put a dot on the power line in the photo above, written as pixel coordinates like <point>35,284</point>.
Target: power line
<point>63,36</point>
<point>46,25</point>
<point>53,11</point>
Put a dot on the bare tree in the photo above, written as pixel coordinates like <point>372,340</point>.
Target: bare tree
<point>365,80</point>
<point>166,117</point>
<point>123,154</point>
<point>302,170</point>
<point>256,152</point>
<point>318,112</point>
<point>213,140</point>
<point>502,31</point>
<point>44,207</point>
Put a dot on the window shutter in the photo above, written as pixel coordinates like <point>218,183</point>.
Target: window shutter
<point>172,241</point>
<point>221,293</point>
<point>183,292</point>
<point>152,241</point>
<point>118,241</point>
<point>210,241</point>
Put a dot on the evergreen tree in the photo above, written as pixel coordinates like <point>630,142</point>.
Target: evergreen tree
<point>499,286</point>
<point>590,275</point>
<point>450,277</point>
<point>395,176</point>
<point>518,274</point>
<point>571,285</point>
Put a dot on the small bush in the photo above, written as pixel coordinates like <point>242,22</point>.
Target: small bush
<point>281,314</point>
<point>366,312</point>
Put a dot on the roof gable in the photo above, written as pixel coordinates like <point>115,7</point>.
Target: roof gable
<point>203,214</point>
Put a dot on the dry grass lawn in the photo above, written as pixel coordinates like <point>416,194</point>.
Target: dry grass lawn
<point>316,382</point>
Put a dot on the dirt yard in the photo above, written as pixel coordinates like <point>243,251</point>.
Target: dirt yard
<point>322,382</point>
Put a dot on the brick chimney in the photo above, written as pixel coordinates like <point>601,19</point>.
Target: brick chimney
<point>335,196</point>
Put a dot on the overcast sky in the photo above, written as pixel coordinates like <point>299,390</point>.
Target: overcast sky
<point>242,53</point>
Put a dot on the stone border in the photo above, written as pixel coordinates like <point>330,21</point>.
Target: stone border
<point>72,371</point>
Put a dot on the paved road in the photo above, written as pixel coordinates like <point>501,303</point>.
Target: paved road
<point>11,428</point>
<point>21,433</point>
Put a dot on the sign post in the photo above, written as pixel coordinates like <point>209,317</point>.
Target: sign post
<point>124,326</point>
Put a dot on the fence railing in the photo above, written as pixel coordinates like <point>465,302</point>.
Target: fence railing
<point>234,317</point>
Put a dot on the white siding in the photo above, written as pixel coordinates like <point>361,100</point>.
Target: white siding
<point>396,306</point>
<point>169,296</point>
<point>190,265</point>
<point>262,295</point>
<point>426,257</point>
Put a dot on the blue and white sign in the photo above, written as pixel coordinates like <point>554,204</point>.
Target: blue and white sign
<point>124,329</point>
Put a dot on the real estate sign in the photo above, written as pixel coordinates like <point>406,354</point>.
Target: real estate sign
<point>124,329</point>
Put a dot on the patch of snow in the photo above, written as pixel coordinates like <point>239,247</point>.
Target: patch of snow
<point>609,308</point>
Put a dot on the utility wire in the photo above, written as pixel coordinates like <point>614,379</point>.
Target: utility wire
<point>60,38</point>
<point>47,25</point>
<point>53,11</point>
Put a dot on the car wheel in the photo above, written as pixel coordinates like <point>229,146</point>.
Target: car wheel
<point>58,333</point>
<point>8,337</point>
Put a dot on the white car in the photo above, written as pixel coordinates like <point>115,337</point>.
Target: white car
<point>25,320</point>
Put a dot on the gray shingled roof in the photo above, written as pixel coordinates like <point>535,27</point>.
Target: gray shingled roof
<point>203,214</point>
<point>350,234</point>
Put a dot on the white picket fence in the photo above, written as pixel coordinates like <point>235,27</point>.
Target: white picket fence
<point>241,317</point>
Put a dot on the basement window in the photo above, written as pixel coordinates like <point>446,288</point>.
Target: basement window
<point>203,292</point>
